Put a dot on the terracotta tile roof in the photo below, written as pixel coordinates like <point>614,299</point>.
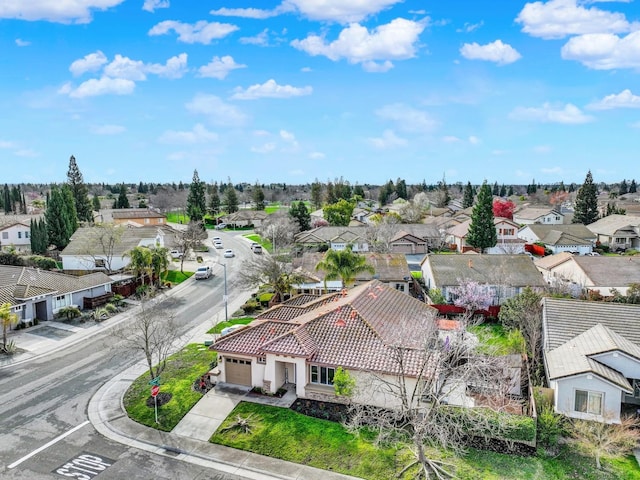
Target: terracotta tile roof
<point>356,330</point>
<point>285,312</point>
<point>301,299</point>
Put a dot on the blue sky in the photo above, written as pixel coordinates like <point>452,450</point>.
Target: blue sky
<point>297,90</point>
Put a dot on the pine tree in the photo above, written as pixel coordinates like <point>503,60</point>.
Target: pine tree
<point>467,198</point>
<point>95,203</point>
<point>59,225</point>
<point>624,189</point>
<point>401,188</point>
<point>231,198</point>
<point>482,231</point>
<point>258,196</point>
<point>316,194</point>
<point>122,201</point>
<point>301,215</point>
<point>633,187</point>
<point>496,189</point>
<point>196,201</point>
<point>7,200</point>
<point>79,191</point>
<point>214,200</point>
<point>586,206</point>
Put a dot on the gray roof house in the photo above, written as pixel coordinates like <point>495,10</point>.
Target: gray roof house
<point>592,357</point>
<point>506,275</point>
<point>573,237</point>
<point>619,232</point>
<point>543,215</point>
<point>35,293</point>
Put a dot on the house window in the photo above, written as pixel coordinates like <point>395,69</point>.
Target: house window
<point>262,360</point>
<point>26,234</point>
<point>636,388</point>
<point>588,402</point>
<point>147,221</point>
<point>619,240</point>
<point>5,235</point>
<point>61,301</point>
<point>19,234</point>
<point>322,375</point>
<point>100,263</point>
<point>161,220</point>
<point>400,286</point>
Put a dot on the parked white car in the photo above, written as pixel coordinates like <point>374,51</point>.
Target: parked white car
<point>218,244</point>
<point>203,272</point>
<point>176,254</point>
<point>229,253</point>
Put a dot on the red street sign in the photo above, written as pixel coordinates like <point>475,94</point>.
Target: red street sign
<point>154,390</point>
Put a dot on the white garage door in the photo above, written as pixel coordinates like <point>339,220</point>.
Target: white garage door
<point>238,371</point>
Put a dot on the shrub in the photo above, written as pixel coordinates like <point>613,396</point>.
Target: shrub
<point>111,308</point>
<point>100,314</point>
<point>551,426</point>
<point>69,312</point>
<point>45,263</point>
<point>250,307</point>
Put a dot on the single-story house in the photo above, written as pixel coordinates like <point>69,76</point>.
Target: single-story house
<point>35,293</point>
<point>531,215</point>
<point>15,235</point>
<point>391,269</point>
<point>592,357</point>
<point>506,232</point>
<point>144,217</point>
<point>506,275</point>
<point>244,218</point>
<point>618,232</point>
<point>408,244</point>
<point>586,273</point>
<point>98,248</point>
<point>560,238</point>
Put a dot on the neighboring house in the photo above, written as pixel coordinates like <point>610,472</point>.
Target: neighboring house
<point>35,293</point>
<point>560,238</point>
<point>333,237</point>
<point>618,232</point>
<point>141,216</point>
<point>600,274</point>
<point>506,275</point>
<point>245,218</point>
<point>16,235</point>
<point>87,252</point>
<point>545,216</point>
<point>592,357</point>
<point>304,341</point>
<point>390,269</point>
<point>407,243</point>
<point>506,231</point>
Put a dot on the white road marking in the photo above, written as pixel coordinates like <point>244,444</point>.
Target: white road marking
<point>47,445</point>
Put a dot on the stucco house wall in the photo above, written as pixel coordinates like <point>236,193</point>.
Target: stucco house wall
<point>564,396</point>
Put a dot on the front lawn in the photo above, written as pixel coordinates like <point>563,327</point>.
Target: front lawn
<point>175,277</point>
<point>183,369</point>
<point>234,321</point>
<point>496,340</point>
<point>287,435</point>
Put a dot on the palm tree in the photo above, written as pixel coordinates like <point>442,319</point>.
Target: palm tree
<point>140,262</point>
<point>7,318</point>
<point>343,264</point>
<point>159,262</point>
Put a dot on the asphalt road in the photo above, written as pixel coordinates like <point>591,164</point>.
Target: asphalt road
<point>43,402</point>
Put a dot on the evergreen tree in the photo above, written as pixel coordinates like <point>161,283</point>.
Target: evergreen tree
<point>624,189</point>
<point>95,203</point>
<point>401,188</point>
<point>496,189</point>
<point>70,208</point>
<point>196,201</point>
<point>231,198</point>
<point>633,187</point>
<point>467,198</point>
<point>482,231</point>
<point>59,225</point>
<point>23,205</point>
<point>531,189</point>
<point>301,215</point>
<point>503,191</point>
<point>258,196</point>
<point>510,191</point>
<point>586,206</point>
<point>39,237</point>
<point>122,201</point>
<point>444,198</point>
<point>330,194</point>
<point>316,194</point>
<point>214,200</point>
<point>359,191</point>
<point>80,191</point>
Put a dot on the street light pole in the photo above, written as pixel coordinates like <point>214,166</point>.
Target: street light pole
<point>226,298</point>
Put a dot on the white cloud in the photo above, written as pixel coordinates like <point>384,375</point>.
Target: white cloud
<point>542,149</point>
<point>89,63</point>
<point>199,32</point>
<point>624,99</point>
<point>219,67</point>
<point>375,67</point>
<point>124,67</point>
<point>219,112</point>
<point>266,148</point>
<point>316,155</point>
<point>635,125</point>
<point>306,69</point>
<point>199,134</point>
<point>499,153</point>
<point>5,144</point>
<point>174,67</point>
<point>69,11</point>
<point>407,118</point>
<point>270,89</point>
<point>552,170</point>
<point>261,39</point>
<point>470,27</point>
<point>567,114</point>
<point>342,11</point>
<point>473,140</point>
<point>256,13</point>
<point>26,152</point>
<point>498,52</point>
<point>152,5</point>
<point>392,41</point>
<point>288,137</point>
<point>22,43</point>
<point>450,139</point>
<point>107,129</point>
<point>100,86</point>
<point>604,51</point>
<point>261,133</point>
<point>560,18</point>
<point>387,140</point>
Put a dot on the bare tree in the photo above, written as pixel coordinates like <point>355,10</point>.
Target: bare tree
<point>189,238</point>
<point>266,269</point>
<point>101,242</point>
<point>380,234</point>
<point>279,228</point>
<point>427,379</point>
<point>153,332</point>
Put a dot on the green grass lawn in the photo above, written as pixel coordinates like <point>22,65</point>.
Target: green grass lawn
<point>183,368</point>
<point>495,339</point>
<point>176,276</point>
<point>177,217</point>
<point>234,321</point>
<point>288,435</point>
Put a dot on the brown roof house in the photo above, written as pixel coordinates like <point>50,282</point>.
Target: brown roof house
<point>505,275</point>
<point>506,232</point>
<point>592,357</point>
<point>619,232</point>
<point>304,344</point>
<point>143,217</point>
<point>35,293</point>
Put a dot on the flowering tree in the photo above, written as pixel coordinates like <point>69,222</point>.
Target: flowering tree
<point>472,296</point>
<point>503,208</point>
